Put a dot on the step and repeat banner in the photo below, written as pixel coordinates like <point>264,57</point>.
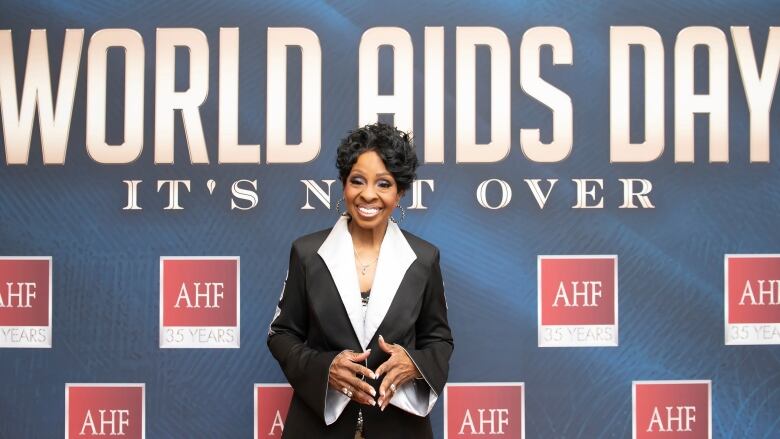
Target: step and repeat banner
<point>601,179</point>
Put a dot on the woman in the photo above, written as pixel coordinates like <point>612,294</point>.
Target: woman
<point>361,328</point>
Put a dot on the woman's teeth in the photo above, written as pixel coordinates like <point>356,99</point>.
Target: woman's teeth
<point>368,211</point>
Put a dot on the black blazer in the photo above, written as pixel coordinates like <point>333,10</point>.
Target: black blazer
<point>317,318</point>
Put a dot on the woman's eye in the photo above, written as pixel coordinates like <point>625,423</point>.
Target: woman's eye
<point>385,184</point>
<point>356,181</point>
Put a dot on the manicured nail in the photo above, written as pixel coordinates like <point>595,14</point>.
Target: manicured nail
<point>382,409</point>
<point>373,403</point>
<point>380,402</point>
<point>373,392</point>
<point>376,376</point>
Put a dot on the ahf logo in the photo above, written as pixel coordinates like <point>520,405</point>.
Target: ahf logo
<point>271,404</point>
<point>105,410</point>
<point>199,302</point>
<point>752,299</point>
<point>25,301</point>
<point>679,409</point>
<point>475,410</point>
<point>578,300</point>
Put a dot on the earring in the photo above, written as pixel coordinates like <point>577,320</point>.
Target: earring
<point>403,214</point>
<point>338,208</point>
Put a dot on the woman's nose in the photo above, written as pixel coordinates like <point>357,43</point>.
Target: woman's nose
<point>368,193</point>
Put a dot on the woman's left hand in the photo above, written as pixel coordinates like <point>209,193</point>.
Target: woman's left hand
<point>397,370</point>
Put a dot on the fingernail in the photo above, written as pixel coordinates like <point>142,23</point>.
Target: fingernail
<point>373,403</point>
<point>382,409</point>
<point>373,392</point>
<point>380,401</point>
<point>376,376</point>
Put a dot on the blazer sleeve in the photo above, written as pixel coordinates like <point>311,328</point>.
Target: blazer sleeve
<point>306,369</point>
<point>433,348</point>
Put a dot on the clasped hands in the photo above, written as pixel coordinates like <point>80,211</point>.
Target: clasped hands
<point>397,370</point>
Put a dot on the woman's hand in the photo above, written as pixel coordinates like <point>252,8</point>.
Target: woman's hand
<point>343,376</point>
<point>398,370</point>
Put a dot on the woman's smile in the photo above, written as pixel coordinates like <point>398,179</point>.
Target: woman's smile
<point>369,211</point>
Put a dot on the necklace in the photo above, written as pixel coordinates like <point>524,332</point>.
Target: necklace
<point>363,267</point>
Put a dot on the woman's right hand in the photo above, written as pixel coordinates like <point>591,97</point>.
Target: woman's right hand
<point>343,377</point>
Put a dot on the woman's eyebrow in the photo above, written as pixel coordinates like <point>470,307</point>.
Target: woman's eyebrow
<point>356,170</point>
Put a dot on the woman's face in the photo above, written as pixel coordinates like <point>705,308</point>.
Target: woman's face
<point>370,191</point>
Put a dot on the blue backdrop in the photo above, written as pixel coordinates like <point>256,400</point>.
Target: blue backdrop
<point>106,260</point>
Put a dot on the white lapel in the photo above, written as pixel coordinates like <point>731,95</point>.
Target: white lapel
<point>339,256</point>
<point>395,257</point>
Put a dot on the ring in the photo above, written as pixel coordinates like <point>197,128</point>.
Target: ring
<point>345,392</point>
<point>392,387</point>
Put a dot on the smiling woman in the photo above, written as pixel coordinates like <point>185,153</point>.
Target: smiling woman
<point>363,285</point>
<point>370,193</point>
<point>376,166</point>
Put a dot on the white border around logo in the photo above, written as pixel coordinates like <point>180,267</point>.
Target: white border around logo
<point>539,342</point>
<point>671,382</point>
<point>143,401</point>
<point>748,341</point>
<point>30,345</point>
<point>490,384</point>
<point>161,327</point>
<point>254,398</point>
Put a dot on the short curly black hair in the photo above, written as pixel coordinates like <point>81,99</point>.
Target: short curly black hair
<point>394,146</point>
